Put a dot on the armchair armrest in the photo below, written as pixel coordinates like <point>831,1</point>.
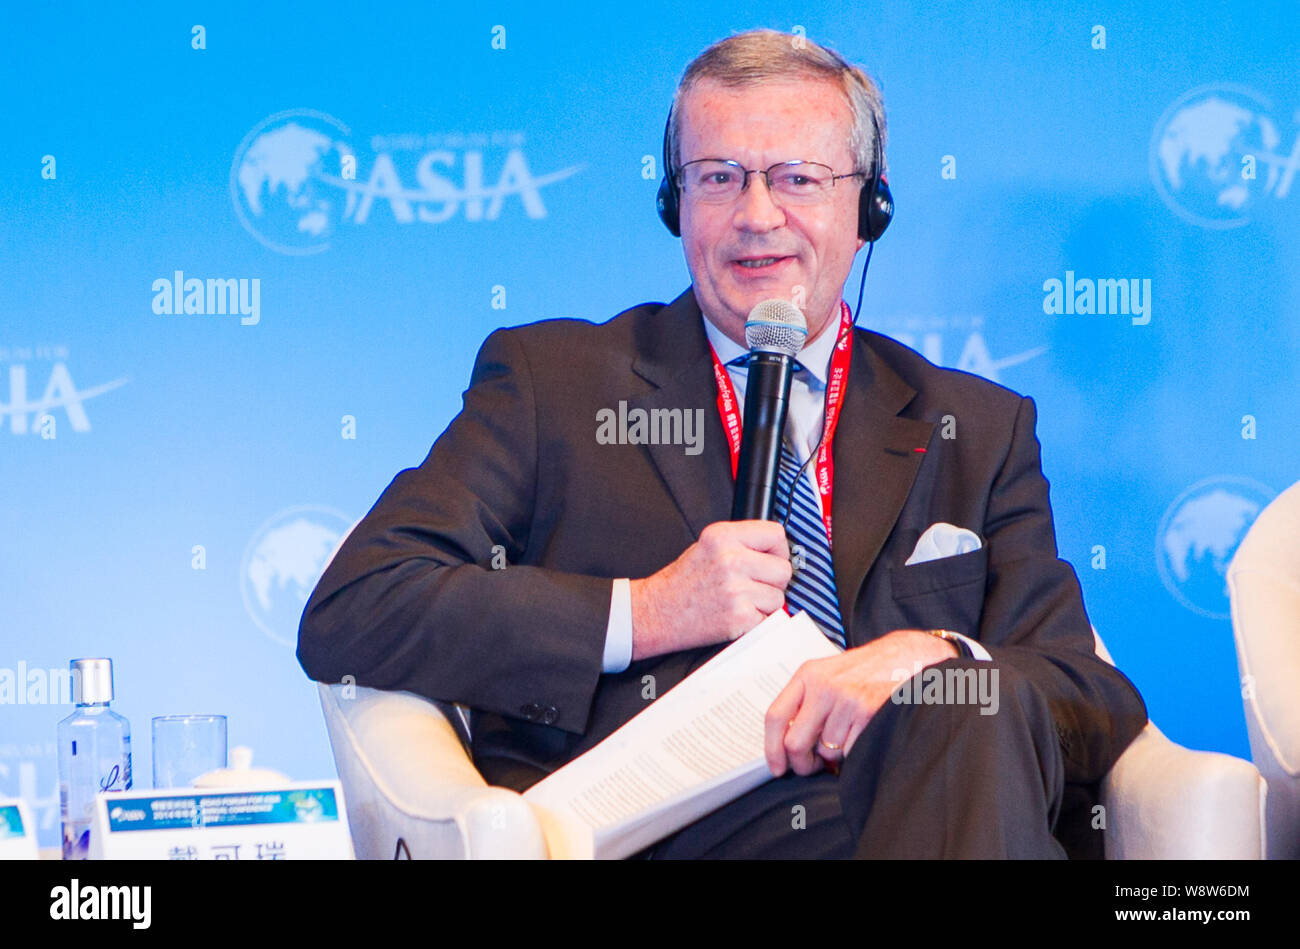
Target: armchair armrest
<point>411,787</point>
<point>1164,801</point>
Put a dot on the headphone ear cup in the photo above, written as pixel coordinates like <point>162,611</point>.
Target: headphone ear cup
<point>666,203</point>
<point>875,211</point>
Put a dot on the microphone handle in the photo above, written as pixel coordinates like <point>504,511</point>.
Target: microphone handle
<point>767,401</point>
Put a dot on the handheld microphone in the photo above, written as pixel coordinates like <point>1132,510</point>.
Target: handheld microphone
<point>774,332</point>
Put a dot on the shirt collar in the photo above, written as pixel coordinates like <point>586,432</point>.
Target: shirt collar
<point>815,355</point>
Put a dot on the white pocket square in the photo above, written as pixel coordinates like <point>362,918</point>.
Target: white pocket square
<point>942,539</point>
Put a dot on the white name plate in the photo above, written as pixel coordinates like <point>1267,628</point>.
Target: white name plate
<point>17,832</point>
<point>305,820</point>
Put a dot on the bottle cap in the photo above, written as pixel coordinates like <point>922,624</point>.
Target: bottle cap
<point>92,681</point>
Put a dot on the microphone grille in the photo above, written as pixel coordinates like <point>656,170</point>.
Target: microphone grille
<point>776,326</point>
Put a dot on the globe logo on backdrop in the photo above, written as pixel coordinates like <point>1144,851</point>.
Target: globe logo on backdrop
<point>296,181</point>
<point>282,563</point>
<point>1214,154</point>
<point>279,180</point>
<point>1199,535</point>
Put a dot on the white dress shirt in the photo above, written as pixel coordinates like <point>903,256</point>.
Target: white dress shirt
<point>802,430</point>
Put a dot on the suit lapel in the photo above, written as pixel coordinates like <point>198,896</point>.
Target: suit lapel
<point>875,449</point>
<point>876,462</point>
<point>674,357</point>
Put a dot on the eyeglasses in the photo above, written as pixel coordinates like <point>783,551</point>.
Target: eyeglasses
<point>717,181</point>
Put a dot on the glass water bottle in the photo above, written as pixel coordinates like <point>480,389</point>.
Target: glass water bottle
<point>94,752</point>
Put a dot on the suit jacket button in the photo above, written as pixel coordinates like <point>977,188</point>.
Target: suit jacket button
<point>530,711</point>
<point>550,714</point>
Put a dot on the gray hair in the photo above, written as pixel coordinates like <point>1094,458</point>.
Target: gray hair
<point>766,55</point>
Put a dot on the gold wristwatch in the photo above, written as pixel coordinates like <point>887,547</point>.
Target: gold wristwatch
<point>963,648</point>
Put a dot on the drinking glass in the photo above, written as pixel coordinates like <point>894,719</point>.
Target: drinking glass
<point>186,746</point>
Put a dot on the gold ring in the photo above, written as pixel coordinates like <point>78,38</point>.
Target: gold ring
<point>829,745</point>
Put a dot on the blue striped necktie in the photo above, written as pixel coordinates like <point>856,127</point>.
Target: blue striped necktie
<point>812,587</point>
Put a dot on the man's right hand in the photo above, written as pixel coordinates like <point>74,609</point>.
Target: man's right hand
<point>721,587</point>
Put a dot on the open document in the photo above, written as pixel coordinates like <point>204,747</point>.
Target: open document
<point>695,748</point>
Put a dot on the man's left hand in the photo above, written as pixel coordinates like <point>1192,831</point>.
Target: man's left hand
<point>828,702</point>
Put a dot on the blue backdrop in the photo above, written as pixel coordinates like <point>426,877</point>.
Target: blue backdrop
<point>384,187</point>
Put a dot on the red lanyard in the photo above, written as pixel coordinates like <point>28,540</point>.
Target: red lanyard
<point>730,412</point>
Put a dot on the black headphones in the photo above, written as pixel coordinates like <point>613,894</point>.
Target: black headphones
<point>875,206</point>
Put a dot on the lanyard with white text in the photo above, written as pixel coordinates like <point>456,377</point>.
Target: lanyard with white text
<point>729,411</point>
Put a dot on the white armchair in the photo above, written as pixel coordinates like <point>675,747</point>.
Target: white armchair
<point>1264,585</point>
<point>412,790</point>
<point>1167,802</point>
